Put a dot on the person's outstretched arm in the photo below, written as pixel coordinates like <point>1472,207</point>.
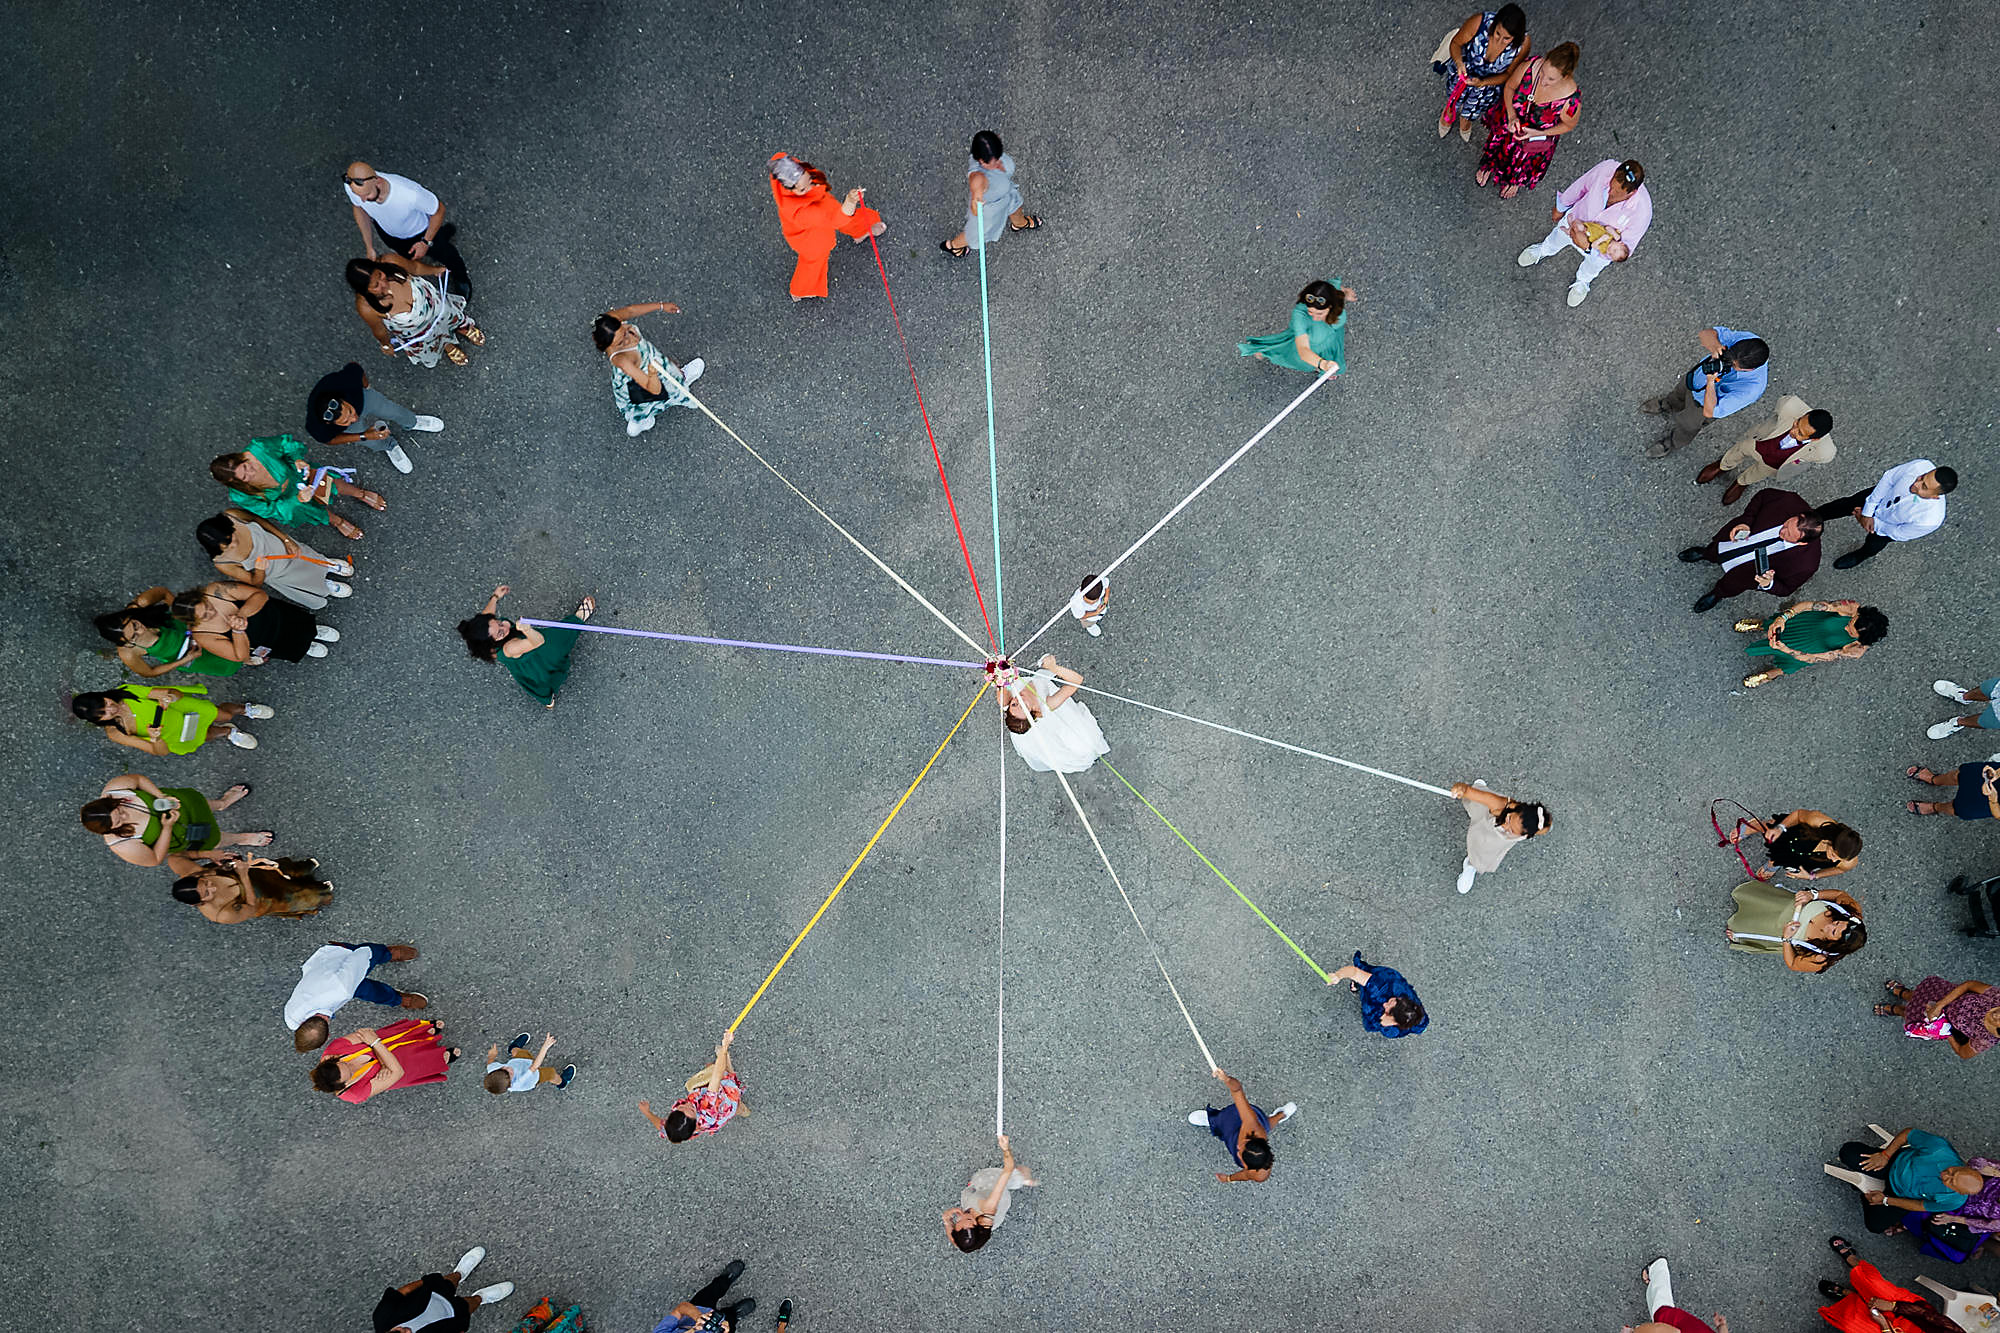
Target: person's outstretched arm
<point>992,1201</point>
<point>722,1064</point>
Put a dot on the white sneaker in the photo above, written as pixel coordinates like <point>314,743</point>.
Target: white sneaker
<point>316,650</point>
<point>1290,1110</point>
<point>242,739</point>
<point>1577,291</point>
<point>1951,690</point>
<point>432,424</point>
<point>692,370</point>
<point>632,428</point>
<point>1949,727</point>
<point>471,1260</point>
<point>326,634</point>
<point>1093,630</point>
<point>1465,876</point>
<point>335,588</point>
<point>396,456</point>
<point>1529,257</point>
<point>258,711</point>
<point>499,1291</point>
<point>1199,1118</point>
<point>340,567</point>
<point>1481,784</point>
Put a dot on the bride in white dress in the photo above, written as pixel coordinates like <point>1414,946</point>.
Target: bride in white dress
<point>1051,728</point>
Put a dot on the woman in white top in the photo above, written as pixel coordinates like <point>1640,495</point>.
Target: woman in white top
<point>1051,728</point>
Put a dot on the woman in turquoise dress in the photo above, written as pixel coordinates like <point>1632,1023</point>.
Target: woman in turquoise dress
<point>272,479</point>
<point>152,642</point>
<point>1808,632</point>
<point>1317,338</point>
<point>538,659</point>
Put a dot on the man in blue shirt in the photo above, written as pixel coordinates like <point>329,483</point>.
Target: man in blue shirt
<point>1921,1173</point>
<point>1731,378</point>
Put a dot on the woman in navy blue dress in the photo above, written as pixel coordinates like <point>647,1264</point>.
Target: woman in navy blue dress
<point>1388,1005</point>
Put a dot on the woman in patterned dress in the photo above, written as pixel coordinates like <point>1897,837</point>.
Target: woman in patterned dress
<point>1483,51</point>
<point>1522,132</point>
<point>1972,1008</point>
<point>644,384</point>
<point>410,308</point>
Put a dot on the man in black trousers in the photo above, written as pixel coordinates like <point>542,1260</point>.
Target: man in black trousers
<point>1778,526</point>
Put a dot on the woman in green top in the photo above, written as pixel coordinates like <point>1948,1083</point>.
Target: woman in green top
<point>538,660</point>
<point>1317,338</point>
<point>148,825</point>
<point>151,642</point>
<point>1808,632</point>
<point>267,479</point>
<point>165,719</point>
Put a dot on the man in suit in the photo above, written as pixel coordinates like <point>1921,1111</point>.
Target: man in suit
<point>1797,436</point>
<point>1779,524</point>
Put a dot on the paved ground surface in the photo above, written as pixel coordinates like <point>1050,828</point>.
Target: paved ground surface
<point>1455,562</point>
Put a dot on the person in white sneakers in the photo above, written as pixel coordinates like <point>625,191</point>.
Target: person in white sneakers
<point>344,409</point>
<point>1497,824</point>
<point>644,383</point>
<point>256,551</point>
<point>1662,1315</point>
<point>1986,719</point>
<point>432,1304</point>
<point>1245,1130</point>
<point>1092,596</point>
<point>1601,215</point>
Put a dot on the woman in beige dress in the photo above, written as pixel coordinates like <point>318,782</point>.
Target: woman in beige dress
<point>1497,824</point>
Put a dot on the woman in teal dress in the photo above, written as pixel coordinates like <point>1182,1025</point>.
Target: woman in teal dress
<point>151,642</point>
<point>272,479</point>
<point>537,658</point>
<point>1317,338</point>
<point>1808,632</point>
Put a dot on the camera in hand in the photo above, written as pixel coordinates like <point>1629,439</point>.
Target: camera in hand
<point>1715,365</point>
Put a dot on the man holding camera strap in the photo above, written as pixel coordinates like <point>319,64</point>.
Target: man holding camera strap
<point>1732,377</point>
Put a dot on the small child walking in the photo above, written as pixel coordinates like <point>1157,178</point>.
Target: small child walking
<point>521,1072</point>
<point>1089,602</point>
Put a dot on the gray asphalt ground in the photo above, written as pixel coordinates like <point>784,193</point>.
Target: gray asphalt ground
<point>1454,562</point>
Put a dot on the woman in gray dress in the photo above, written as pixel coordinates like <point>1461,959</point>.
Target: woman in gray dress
<point>250,550</point>
<point>990,179</point>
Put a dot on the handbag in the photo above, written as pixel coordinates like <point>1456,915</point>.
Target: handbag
<point>1934,1029</point>
<point>1441,58</point>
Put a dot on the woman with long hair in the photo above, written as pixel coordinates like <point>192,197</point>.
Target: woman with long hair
<point>1316,338</point>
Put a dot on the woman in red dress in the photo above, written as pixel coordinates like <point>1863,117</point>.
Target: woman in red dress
<point>1523,130</point>
<point>811,217</point>
<point>369,1061</point>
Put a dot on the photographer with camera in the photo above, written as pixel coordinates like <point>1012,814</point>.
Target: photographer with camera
<point>1732,377</point>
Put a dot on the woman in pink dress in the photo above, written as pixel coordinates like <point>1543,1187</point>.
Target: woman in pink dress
<point>1965,1016</point>
<point>368,1061</point>
<point>1524,128</point>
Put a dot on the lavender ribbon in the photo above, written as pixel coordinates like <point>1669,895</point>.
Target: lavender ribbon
<point>745,643</point>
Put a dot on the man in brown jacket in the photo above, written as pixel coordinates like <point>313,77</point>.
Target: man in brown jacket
<point>1797,436</point>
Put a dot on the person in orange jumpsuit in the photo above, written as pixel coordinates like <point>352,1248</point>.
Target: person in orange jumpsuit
<point>1870,1303</point>
<point>810,217</point>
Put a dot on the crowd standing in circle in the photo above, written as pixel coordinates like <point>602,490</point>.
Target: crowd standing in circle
<point>411,292</point>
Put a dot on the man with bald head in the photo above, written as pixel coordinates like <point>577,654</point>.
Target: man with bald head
<point>1662,1315</point>
<point>409,219</point>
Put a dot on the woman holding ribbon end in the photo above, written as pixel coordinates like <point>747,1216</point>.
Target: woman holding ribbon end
<point>410,308</point>
<point>271,479</point>
<point>811,217</point>
<point>1050,728</point>
<point>537,659</point>
<point>644,384</point>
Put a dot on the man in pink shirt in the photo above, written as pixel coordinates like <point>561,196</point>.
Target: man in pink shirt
<point>1602,214</point>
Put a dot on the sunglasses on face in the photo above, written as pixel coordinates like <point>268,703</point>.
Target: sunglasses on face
<point>357,180</point>
<point>332,412</point>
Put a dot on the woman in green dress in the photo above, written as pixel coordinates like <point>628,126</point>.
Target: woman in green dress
<point>145,824</point>
<point>538,659</point>
<point>1317,338</point>
<point>151,642</point>
<point>272,479</point>
<point>165,719</point>
<point>1811,930</point>
<point>1808,632</point>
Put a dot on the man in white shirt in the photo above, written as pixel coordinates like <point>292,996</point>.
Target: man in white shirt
<point>1906,504</point>
<point>409,218</point>
<point>336,974</point>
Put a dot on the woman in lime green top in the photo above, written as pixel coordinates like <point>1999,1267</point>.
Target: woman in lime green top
<point>537,659</point>
<point>165,719</point>
<point>151,642</point>
<point>145,824</point>
<point>1317,338</point>
<point>1808,632</point>
<point>272,479</point>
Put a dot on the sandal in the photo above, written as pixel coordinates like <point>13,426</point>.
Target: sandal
<point>1895,988</point>
<point>345,527</point>
<point>1030,225</point>
<point>473,334</point>
<point>237,791</point>
<point>373,499</point>
<point>1842,1248</point>
<point>456,355</point>
<point>959,253</point>
<point>1482,178</point>
<point>586,608</point>
<point>1918,772</point>
<point>1509,191</point>
<point>1914,807</point>
<point>1888,1011</point>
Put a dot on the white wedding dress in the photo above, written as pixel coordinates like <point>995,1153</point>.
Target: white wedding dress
<point>1066,739</point>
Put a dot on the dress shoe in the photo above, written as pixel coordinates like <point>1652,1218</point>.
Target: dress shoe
<point>1653,407</point>
<point>1693,555</point>
<point>1733,494</point>
<point>1708,602</point>
<point>1660,448</point>
<point>416,999</point>
<point>1850,560</point>
<point>1708,474</point>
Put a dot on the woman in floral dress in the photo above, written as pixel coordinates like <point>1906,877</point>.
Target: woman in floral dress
<point>1523,130</point>
<point>410,308</point>
<point>1486,47</point>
